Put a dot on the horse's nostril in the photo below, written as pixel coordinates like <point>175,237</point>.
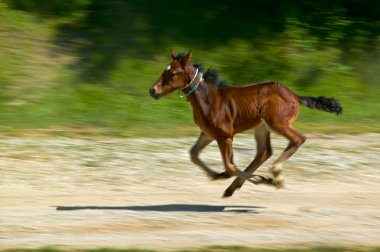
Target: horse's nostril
<point>152,92</point>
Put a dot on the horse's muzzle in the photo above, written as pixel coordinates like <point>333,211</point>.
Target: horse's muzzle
<point>153,93</point>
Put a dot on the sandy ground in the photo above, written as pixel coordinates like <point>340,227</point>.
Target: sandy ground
<point>145,193</point>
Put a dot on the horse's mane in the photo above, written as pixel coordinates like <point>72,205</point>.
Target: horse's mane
<point>211,76</point>
<point>180,56</point>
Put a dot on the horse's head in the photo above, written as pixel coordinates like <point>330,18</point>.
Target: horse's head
<point>175,76</point>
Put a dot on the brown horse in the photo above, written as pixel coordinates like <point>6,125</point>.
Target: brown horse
<point>221,112</point>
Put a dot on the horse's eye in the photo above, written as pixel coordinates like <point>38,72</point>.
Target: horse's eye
<point>171,75</point>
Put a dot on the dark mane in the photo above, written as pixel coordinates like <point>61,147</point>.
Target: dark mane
<point>180,56</point>
<point>210,76</point>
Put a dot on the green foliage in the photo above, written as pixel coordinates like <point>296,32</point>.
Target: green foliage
<point>89,63</point>
<point>48,8</point>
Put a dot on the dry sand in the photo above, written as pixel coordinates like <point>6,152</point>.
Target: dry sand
<point>145,193</point>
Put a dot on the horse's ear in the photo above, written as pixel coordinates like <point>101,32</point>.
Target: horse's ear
<point>173,54</point>
<point>186,59</point>
<point>188,55</point>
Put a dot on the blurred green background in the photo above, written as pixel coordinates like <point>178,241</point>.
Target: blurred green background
<point>86,65</point>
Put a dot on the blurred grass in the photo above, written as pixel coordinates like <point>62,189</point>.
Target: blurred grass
<point>85,68</point>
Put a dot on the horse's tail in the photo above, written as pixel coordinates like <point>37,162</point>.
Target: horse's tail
<point>330,105</point>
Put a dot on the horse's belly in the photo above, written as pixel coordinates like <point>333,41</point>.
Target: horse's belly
<point>243,125</point>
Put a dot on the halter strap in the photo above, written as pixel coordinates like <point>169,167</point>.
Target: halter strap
<point>190,88</point>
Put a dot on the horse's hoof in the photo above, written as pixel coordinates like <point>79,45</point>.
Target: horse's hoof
<point>223,175</point>
<point>279,182</point>
<point>217,176</point>
<point>268,181</point>
<point>227,193</point>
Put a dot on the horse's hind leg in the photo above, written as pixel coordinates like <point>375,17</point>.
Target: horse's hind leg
<point>201,143</point>
<point>264,151</point>
<point>295,141</point>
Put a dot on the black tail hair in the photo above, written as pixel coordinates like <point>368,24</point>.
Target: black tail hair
<point>330,105</point>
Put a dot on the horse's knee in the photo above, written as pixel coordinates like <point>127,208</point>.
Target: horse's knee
<point>297,141</point>
<point>300,141</point>
<point>303,139</point>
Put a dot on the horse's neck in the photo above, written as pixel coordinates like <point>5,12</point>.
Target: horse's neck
<point>202,99</point>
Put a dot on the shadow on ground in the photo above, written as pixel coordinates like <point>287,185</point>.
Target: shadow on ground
<point>167,208</point>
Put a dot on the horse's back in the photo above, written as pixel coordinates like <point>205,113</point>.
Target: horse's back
<point>261,89</point>
<point>267,100</point>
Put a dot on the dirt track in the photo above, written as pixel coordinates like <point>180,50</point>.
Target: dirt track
<point>146,193</point>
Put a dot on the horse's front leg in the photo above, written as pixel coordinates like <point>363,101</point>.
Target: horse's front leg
<point>225,146</point>
<point>201,143</point>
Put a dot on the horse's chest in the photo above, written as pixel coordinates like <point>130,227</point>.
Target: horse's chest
<point>212,125</point>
